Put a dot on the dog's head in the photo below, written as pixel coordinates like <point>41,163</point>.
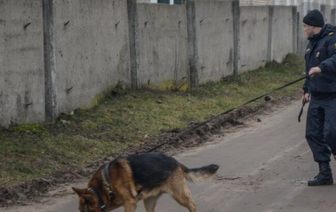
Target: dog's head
<point>88,202</point>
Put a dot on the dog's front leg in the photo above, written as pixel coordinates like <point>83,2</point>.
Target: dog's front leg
<point>130,206</point>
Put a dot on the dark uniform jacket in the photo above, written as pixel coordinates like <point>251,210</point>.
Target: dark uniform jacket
<point>321,52</point>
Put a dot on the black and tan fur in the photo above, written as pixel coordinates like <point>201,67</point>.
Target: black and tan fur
<point>140,177</point>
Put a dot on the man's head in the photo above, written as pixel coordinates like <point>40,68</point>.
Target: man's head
<point>313,22</point>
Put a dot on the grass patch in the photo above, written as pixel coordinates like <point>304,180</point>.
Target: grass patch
<point>30,129</point>
<point>32,151</point>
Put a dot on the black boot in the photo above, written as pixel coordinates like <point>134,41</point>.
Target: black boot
<point>324,177</point>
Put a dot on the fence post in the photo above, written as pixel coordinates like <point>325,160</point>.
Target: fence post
<point>236,35</point>
<point>133,30</point>
<point>333,16</point>
<point>270,34</point>
<point>323,10</point>
<point>298,37</point>
<point>295,28</point>
<point>192,44</point>
<point>49,61</point>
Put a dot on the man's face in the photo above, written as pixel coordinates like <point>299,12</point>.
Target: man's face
<point>309,30</point>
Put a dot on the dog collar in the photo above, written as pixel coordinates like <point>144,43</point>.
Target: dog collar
<point>101,202</point>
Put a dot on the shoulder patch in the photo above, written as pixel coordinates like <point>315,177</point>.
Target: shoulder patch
<point>331,33</point>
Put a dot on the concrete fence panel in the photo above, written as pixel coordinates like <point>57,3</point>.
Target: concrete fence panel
<point>302,40</point>
<point>215,40</point>
<point>91,50</point>
<point>326,11</point>
<point>282,32</point>
<point>21,57</point>
<point>254,26</point>
<point>162,45</point>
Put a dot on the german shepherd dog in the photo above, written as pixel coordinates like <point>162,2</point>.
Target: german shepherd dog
<point>126,180</point>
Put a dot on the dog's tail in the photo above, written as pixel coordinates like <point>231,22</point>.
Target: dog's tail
<point>201,173</point>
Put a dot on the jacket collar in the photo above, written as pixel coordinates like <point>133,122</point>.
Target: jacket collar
<point>315,37</point>
<point>318,35</point>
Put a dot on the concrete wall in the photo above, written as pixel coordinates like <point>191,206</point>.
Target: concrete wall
<point>21,57</point>
<point>301,36</point>
<point>254,25</point>
<point>162,45</point>
<point>282,27</point>
<point>64,54</point>
<point>91,50</point>
<point>333,16</point>
<point>214,33</point>
<point>326,10</point>
<point>302,39</point>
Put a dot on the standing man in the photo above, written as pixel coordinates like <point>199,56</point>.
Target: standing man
<point>320,89</point>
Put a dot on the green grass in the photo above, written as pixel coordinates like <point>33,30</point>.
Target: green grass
<point>32,151</point>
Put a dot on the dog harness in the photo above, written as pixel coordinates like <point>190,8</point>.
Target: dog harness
<point>107,180</point>
<point>101,202</point>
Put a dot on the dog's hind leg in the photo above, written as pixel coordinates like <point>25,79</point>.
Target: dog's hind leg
<point>182,195</point>
<point>150,203</point>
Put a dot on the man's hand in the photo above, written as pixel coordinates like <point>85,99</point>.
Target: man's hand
<point>313,71</point>
<point>306,98</point>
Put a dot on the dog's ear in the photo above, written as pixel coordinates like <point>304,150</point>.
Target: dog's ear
<point>88,198</point>
<point>79,191</point>
<point>84,193</point>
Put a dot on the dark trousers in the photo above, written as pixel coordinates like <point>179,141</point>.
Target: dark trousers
<point>321,128</point>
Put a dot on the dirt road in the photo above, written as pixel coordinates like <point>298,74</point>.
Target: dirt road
<point>263,168</point>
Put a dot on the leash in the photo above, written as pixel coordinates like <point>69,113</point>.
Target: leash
<point>105,170</point>
<point>301,111</point>
<point>226,112</point>
<point>304,101</point>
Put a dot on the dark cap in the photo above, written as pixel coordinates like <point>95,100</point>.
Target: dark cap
<point>314,18</point>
